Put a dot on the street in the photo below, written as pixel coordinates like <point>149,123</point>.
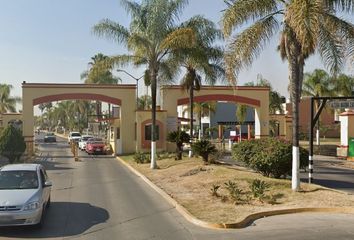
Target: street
<point>98,198</point>
<point>329,173</point>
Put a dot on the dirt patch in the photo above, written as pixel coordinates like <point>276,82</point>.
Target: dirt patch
<point>190,183</point>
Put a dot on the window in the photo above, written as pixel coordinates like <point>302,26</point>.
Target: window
<point>148,132</point>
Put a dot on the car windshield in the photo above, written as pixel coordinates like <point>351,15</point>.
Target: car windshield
<point>18,180</point>
<point>50,134</point>
<point>86,138</point>
<point>97,142</point>
<point>76,135</point>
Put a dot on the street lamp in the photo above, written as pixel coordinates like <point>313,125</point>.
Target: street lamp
<point>137,81</point>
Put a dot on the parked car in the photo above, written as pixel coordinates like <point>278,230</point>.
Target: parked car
<point>83,141</point>
<point>74,136</point>
<point>24,194</point>
<point>95,146</point>
<point>50,137</point>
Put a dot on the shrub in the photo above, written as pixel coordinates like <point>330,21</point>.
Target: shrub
<point>203,148</point>
<point>258,188</point>
<point>234,192</point>
<point>214,190</point>
<point>272,157</point>
<point>179,137</point>
<point>140,157</point>
<point>12,144</point>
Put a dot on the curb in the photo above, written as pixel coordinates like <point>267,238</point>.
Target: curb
<point>241,224</point>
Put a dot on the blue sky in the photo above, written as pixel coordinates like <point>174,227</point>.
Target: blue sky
<point>51,41</point>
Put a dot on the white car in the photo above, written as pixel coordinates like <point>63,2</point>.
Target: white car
<point>83,141</point>
<point>24,194</point>
<point>74,136</point>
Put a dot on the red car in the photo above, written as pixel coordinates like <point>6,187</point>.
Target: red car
<point>95,146</point>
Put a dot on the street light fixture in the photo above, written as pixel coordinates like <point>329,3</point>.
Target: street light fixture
<point>137,81</point>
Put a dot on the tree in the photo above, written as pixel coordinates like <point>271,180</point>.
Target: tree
<point>7,103</point>
<point>179,137</point>
<point>12,144</point>
<point>241,114</point>
<point>45,106</point>
<point>144,102</point>
<point>99,73</point>
<point>305,27</point>
<point>203,58</point>
<point>204,148</point>
<point>343,85</point>
<point>150,39</point>
<point>275,99</point>
<point>317,84</point>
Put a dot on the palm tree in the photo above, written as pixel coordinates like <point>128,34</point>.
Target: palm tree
<point>304,27</point>
<point>144,102</point>
<point>275,99</point>
<point>202,109</point>
<point>241,114</point>
<point>343,85</point>
<point>317,84</point>
<point>7,103</point>
<point>99,73</point>
<point>150,39</point>
<point>203,58</point>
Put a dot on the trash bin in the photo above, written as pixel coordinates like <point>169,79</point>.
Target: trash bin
<point>351,148</point>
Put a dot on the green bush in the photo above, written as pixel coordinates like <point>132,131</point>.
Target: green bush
<point>12,144</point>
<point>272,157</point>
<point>258,188</point>
<point>179,137</point>
<point>140,157</point>
<point>235,192</point>
<point>203,148</point>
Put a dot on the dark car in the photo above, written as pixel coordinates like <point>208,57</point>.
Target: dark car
<point>95,146</point>
<point>50,137</point>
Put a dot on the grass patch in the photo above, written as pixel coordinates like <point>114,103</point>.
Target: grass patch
<point>189,181</point>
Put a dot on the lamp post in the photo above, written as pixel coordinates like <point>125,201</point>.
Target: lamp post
<point>137,81</point>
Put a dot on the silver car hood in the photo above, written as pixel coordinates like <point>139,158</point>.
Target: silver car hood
<point>17,197</point>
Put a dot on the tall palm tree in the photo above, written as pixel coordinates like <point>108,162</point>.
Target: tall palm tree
<point>241,114</point>
<point>7,103</point>
<point>343,85</point>
<point>304,26</point>
<point>275,99</point>
<point>202,109</point>
<point>151,37</point>
<point>203,59</point>
<point>99,73</point>
<point>317,84</point>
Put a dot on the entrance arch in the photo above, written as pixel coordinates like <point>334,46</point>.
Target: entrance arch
<point>256,97</point>
<point>123,95</point>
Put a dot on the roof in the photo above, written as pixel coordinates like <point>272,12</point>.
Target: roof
<point>23,167</point>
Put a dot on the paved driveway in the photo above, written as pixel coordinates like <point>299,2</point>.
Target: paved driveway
<point>99,198</point>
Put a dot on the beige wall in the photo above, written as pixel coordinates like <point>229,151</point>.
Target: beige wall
<point>256,97</point>
<point>122,94</point>
<point>144,116</point>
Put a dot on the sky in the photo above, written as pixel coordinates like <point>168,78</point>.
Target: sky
<point>51,41</point>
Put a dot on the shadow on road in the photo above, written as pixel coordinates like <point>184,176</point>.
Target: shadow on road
<point>48,165</point>
<point>63,219</point>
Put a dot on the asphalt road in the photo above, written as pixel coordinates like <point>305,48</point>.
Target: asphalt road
<point>328,172</point>
<point>98,198</point>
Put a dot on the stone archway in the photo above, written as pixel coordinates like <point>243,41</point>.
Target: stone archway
<point>122,94</point>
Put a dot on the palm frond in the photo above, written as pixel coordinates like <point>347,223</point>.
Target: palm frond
<point>246,46</point>
<point>180,38</point>
<point>111,30</point>
<point>303,17</point>
<point>242,11</point>
<point>342,5</point>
